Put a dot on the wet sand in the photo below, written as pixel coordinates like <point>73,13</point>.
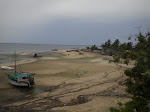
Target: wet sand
<point>67,83</point>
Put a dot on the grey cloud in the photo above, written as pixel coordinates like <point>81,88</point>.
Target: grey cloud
<point>35,11</point>
<point>70,21</point>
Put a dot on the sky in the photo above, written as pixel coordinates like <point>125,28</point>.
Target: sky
<point>72,22</point>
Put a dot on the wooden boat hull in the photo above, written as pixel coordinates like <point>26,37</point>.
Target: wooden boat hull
<point>21,83</point>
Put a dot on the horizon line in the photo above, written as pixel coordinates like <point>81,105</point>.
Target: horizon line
<point>45,44</point>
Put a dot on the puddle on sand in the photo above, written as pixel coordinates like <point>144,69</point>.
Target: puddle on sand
<point>17,93</point>
<point>47,89</point>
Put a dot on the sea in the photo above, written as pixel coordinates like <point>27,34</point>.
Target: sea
<point>7,50</point>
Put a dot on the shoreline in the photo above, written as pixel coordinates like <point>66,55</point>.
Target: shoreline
<point>32,59</point>
<point>28,59</point>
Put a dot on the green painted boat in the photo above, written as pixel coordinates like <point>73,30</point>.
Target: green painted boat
<point>21,79</point>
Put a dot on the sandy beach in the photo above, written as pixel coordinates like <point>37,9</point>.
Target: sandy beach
<point>72,82</point>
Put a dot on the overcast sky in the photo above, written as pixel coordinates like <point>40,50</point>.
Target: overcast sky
<point>71,22</point>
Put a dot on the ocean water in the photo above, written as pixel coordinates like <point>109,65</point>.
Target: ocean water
<point>7,51</point>
<point>19,48</point>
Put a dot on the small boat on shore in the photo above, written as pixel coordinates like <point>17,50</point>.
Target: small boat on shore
<point>55,50</point>
<point>7,68</point>
<point>21,79</point>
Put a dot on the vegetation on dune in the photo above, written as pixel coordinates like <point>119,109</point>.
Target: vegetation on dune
<point>94,47</point>
<point>116,46</point>
<point>106,45</point>
<point>138,78</point>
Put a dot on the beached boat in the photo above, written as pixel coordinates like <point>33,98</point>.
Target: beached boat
<point>21,79</point>
<point>7,68</point>
<point>55,50</point>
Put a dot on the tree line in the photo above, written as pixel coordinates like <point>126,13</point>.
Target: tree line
<point>115,46</point>
<point>138,78</point>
